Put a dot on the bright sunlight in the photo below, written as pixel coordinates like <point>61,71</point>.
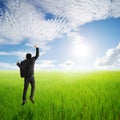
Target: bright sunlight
<point>81,50</point>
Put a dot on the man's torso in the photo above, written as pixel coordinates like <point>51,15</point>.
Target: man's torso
<point>27,67</point>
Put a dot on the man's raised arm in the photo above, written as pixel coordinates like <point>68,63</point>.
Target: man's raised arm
<point>37,52</point>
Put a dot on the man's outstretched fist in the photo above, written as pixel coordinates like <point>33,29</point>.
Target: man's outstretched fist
<point>35,46</point>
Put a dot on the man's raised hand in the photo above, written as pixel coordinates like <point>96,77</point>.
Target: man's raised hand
<point>35,46</point>
<point>17,62</point>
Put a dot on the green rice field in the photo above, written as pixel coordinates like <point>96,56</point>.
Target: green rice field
<point>62,96</point>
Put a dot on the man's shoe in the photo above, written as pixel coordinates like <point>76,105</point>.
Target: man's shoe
<point>31,99</point>
<point>23,102</point>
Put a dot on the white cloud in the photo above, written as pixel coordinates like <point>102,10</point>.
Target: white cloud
<point>45,64</point>
<point>67,65</point>
<point>115,11</point>
<point>75,37</point>
<point>23,21</point>
<point>20,54</point>
<point>4,65</point>
<point>26,19</point>
<point>110,59</point>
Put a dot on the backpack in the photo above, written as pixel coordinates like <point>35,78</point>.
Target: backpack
<point>23,69</point>
<point>22,72</point>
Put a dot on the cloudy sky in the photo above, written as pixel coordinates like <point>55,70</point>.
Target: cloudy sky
<point>71,34</point>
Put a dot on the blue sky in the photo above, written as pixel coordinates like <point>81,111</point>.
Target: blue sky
<point>72,35</point>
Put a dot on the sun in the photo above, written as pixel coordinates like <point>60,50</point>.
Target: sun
<point>81,50</point>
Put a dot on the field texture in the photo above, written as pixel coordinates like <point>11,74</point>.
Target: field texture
<point>62,96</point>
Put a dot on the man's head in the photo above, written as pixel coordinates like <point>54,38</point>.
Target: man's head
<point>28,55</point>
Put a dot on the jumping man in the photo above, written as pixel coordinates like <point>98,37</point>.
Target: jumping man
<point>27,72</point>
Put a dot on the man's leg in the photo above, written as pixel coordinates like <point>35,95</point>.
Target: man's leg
<point>32,82</point>
<point>26,84</point>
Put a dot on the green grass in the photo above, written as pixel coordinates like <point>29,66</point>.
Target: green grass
<point>62,96</point>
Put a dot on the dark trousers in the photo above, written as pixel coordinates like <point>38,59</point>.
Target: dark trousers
<point>28,80</point>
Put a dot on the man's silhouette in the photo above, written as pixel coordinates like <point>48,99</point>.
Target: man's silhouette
<point>27,72</point>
